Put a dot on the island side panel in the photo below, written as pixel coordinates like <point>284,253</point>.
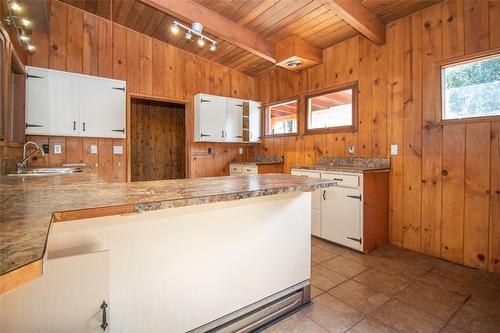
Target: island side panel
<point>188,266</point>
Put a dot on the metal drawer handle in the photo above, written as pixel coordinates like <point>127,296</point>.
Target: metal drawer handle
<point>84,126</point>
<point>74,126</point>
<point>104,324</point>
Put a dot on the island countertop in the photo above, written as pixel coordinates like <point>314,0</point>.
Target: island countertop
<point>30,204</point>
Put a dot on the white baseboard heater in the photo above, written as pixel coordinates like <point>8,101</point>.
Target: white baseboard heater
<point>257,315</point>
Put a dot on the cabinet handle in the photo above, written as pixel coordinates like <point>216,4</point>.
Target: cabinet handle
<point>104,323</point>
<point>119,88</point>
<point>222,132</point>
<point>359,240</point>
<point>33,125</point>
<point>121,130</point>
<point>203,135</point>
<point>84,126</point>
<point>205,101</point>
<point>29,76</point>
<point>74,126</point>
<point>240,105</point>
<point>324,194</point>
<point>354,197</point>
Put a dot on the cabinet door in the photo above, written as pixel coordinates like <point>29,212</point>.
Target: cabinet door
<point>66,298</point>
<point>341,216</point>
<point>212,115</point>
<point>234,120</point>
<point>254,121</point>
<point>52,102</point>
<point>102,107</point>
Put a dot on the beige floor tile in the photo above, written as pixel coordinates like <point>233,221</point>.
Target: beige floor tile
<point>476,320</point>
<point>437,302</point>
<point>389,284</point>
<point>461,287</point>
<point>332,314</point>
<point>359,296</point>
<point>345,266</point>
<point>452,329</point>
<point>328,246</point>
<point>315,291</point>
<point>364,259</point>
<point>368,325</point>
<point>324,278</point>
<point>406,319</point>
<point>296,323</point>
<point>319,255</point>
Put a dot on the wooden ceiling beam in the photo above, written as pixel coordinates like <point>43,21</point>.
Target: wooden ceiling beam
<point>360,18</point>
<point>190,11</point>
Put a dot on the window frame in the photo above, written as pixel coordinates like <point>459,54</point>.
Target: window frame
<point>265,123</point>
<point>439,66</point>
<point>349,128</point>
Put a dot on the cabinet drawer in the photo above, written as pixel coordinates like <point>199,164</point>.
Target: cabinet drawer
<point>342,179</point>
<point>235,168</point>
<point>249,170</point>
<point>305,173</point>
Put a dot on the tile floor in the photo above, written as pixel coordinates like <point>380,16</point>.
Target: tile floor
<point>393,290</point>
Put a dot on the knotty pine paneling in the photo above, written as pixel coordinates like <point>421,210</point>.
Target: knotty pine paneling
<point>444,183</point>
<point>150,67</point>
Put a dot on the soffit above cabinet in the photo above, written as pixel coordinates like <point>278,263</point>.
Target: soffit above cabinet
<point>314,21</point>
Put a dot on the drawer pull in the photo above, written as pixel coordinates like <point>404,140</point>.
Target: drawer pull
<point>338,179</point>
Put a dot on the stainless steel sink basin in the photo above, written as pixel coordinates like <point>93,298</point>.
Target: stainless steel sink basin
<point>46,171</point>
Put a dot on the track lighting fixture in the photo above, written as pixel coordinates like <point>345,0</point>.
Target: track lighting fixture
<point>195,29</point>
<point>21,25</point>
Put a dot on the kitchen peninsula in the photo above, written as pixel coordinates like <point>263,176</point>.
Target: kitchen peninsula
<point>193,251</point>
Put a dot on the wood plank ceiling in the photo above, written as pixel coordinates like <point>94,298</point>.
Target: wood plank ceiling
<point>273,20</point>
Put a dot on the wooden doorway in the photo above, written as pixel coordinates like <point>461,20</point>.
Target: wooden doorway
<point>157,140</point>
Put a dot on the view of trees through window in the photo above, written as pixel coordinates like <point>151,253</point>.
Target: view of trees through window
<point>472,89</point>
<point>281,118</point>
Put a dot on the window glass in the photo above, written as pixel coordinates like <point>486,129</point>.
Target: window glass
<point>281,118</point>
<point>471,89</point>
<point>333,109</point>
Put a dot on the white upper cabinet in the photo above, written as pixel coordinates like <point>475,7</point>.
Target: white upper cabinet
<point>102,105</point>
<point>225,119</point>
<point>254,121</point>
<point>51,102</point>
<point>234,120</point>
<point>210,115</point>
<point>62,103</point>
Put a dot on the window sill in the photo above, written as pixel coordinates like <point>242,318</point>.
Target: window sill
<point>469,120</point>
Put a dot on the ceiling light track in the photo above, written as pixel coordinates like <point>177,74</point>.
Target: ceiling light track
<point>195,29</point>
<point>21,24</point>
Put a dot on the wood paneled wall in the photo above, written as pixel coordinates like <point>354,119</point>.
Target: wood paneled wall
<point>158,140</point>
<point>445,181</point>
<point>110,167</point>
<point>84,43</point>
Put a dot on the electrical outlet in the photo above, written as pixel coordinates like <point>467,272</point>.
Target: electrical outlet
<point>394,149</point>
<point>57,149</point>
<point>350,150</point>
<point>117,150</point>
<point>93,149</point>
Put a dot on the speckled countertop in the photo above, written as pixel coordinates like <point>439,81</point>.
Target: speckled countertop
<point>28,203</point>
<point>349,164</point>
<point>262,160</point>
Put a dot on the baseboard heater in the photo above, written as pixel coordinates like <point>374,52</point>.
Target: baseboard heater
<point>258,314</point>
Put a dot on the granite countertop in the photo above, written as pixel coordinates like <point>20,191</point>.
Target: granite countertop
<point>262,160</point>
<point>349,164</point>
<point>30,204</point>
<point>257,163</point>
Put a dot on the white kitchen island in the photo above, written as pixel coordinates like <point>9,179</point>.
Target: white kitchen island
<point>198,263</point>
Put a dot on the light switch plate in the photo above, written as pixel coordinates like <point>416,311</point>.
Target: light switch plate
<point>394,149</point>
<point>117,150</point>
<point>93,149</point>
<point>241,151</point>
<point>57,149</point>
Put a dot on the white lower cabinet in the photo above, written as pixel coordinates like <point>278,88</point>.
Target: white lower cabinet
<point>243,169</point>
<point>66,298</point>
<point>354,213</point>
<point>341,216</point>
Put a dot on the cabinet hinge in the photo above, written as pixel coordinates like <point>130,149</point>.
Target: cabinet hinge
<point>204,135</point>
<point>120,130</point>
<point>29,76</point>
<point>33,125</point>
<point>119,88</point>
<point>354,197</point>
<point>205,101</point>
<point>359,240</point>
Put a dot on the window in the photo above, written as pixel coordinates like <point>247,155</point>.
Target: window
<point>333,110</point>
<point>471,89</point>
<point>281,118</point>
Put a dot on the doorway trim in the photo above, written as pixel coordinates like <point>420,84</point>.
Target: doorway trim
<point>187,122</point>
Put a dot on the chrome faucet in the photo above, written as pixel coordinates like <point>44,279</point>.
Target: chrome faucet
<point>21,166</point>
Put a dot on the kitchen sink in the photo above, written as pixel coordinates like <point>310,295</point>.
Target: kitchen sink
<point>46,171</point>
